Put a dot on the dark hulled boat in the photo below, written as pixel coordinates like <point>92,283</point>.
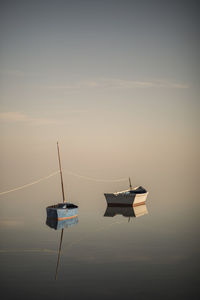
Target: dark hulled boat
<point>132,197</point>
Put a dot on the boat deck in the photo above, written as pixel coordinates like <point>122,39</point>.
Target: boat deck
<point>63,205</point>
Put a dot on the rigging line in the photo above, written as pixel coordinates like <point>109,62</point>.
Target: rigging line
<point>29,184</point>
<point>56,172</point>
<point>95,179</point>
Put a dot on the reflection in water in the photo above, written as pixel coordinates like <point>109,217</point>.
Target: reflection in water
<point>60,224</point>
<point>126,211</point>
<point>58,260</point>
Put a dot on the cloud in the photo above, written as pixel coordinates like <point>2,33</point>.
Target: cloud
<point>21,117</point>
<point>113,83</point>
<point>28,251</point>
<point>11,223</point>
<point>14,117</point>
<point>16,73</point>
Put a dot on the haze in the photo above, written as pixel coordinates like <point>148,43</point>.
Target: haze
<point>115,82</point>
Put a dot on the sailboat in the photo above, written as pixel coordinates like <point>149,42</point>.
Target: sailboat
<point>131,197</point>
<point>65,210</point>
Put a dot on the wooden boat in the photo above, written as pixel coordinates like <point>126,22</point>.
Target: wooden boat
<point>62,211</point>
<point>132,197</point>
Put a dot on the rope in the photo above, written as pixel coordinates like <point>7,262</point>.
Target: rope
<point>55,173</point>
<point>29,184</point>
<point>95,179</point>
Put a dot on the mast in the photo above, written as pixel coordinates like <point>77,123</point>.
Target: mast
<point>130,184</point>
<point>61,178</point>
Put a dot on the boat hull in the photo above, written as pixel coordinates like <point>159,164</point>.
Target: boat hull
<point>126,200</point>
<point>62,211</point>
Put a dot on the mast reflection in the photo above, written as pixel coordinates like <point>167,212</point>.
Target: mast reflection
<point>57,225</point>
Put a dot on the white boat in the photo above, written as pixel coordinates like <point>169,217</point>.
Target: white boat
<point>132,197</point>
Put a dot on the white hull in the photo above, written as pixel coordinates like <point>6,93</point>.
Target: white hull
<point>119,199</point>
<point>140,210</point>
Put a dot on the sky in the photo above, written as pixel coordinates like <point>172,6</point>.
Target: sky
<point>116,82</point>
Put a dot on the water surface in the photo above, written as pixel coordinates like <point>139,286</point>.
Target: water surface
<point>150,256</point>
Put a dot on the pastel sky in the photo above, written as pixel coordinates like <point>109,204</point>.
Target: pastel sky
<point>59,54</point>
<point>98,75</point>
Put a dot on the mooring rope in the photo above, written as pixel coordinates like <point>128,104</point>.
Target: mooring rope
<point>55,173</point>
<point>95,179</point>
<point>29,184</point>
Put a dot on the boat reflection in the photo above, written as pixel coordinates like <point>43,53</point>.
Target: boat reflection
<point>60,224</point>
<point>126,211</point>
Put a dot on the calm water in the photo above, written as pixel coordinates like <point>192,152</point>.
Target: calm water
<point>146,257</point>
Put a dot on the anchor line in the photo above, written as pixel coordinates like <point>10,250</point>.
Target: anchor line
<point>29,184</point>
<point>55,173</point>
<point>95,179</point>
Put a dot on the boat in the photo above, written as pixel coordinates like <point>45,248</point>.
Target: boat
<point>131,197</point>
<point>62,211</point>
<point>65,210</point>
<point>126,211</point>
